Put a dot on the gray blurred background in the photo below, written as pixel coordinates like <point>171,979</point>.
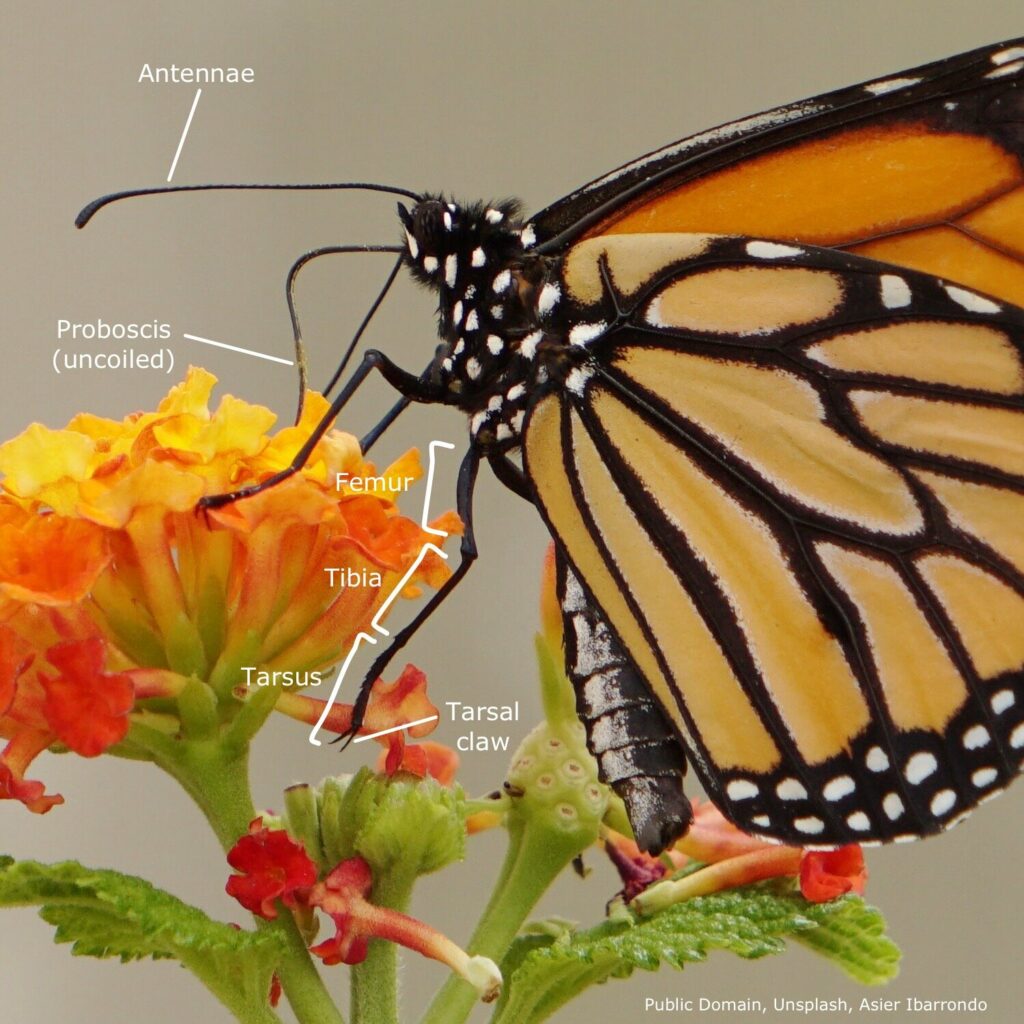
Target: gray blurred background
<point>482,100</point>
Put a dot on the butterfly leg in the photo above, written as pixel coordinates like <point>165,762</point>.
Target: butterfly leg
<point>468,553</point>
<point>637,753</point>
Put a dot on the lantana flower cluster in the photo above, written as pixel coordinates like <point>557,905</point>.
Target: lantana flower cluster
<point>120,605</point>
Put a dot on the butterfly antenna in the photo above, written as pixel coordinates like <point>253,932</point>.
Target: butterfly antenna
<point>90,209</point>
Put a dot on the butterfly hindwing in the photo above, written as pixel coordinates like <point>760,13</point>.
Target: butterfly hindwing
<point>792,481</point>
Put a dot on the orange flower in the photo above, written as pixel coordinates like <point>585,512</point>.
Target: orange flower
<point>114,593</point>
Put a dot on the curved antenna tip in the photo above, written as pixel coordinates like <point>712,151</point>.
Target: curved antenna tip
<point>89,210</point>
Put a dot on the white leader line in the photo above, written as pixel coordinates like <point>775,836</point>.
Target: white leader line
<point>375,624</point>
<point>401,586</point>
<point>395,728</point>
<point>237,348</point>
<point>184,134</point>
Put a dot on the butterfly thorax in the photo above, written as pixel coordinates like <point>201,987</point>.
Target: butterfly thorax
<point>495,350</point>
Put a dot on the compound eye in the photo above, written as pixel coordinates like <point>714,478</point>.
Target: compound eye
<point>428,224</point>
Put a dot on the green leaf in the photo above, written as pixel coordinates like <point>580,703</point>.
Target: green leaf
<point>545,969</point>
<point>104,913</point>
<point>853,935</point>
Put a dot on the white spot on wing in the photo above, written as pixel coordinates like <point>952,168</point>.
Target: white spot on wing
<point>472,321</point>
<point>516,391</point>
<point>971,301</point>
<point>528,235</point>
<point>919,767</point>
<point>984,777</point>
<point>447,221</point>
<point>943,802</point>
<point>478,259</point>
<point>741,789</point>
<point>451,268</point>
<point>430,264</point>
<point>890,85</point>
<point>859,821</point>
<point>414,249</point>
<point>1005,56</point>
<point>810,825</point>
<point>892,805</point>
<point>457,313</point>
<point>791,789</point>
<point>494,344</point>
<point>1003,701</point>
<point>877,760</point>
<point>501,281</point>
<point>975,737</point>
<point>1006,69</point>
<point>472,368</point>
<point>771,250</point>
<point>1017,737</point>
<point>761,819</point>
<point>837,788</point>
<point>504,432</point>
<point>895,291</point>
<point>493,216</point>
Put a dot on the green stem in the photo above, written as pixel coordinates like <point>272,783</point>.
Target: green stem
<point>375,980</point>
<point>218,780</point>
<point>535,857</point>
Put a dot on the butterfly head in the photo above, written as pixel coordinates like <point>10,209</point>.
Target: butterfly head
<point>449,244</point>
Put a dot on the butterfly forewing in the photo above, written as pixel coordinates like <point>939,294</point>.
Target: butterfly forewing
<point>921,168</point>
<point>792,480</point>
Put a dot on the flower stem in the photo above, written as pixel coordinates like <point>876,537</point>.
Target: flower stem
<point>218,780</point>
<point>374,997</point>
<point>535,857</point>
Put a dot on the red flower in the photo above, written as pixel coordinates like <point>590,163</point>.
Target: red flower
<point>344,893</point>
<point>86,707</point>
<point>273,866</point>
<point>826,874</point>
<point>422,759</point>
<point>636,869</point>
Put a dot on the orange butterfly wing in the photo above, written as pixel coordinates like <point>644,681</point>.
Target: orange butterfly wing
<point>923,170</point>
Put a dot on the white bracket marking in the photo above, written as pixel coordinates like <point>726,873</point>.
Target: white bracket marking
<point>401,585</point>
<point>430,485</point>
<point>184,133</point>
<point>375,624</point>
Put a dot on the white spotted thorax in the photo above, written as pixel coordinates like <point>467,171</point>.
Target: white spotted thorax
<point>497,313</point>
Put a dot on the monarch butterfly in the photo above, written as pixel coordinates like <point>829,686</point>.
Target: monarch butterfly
<point>767,386</point>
